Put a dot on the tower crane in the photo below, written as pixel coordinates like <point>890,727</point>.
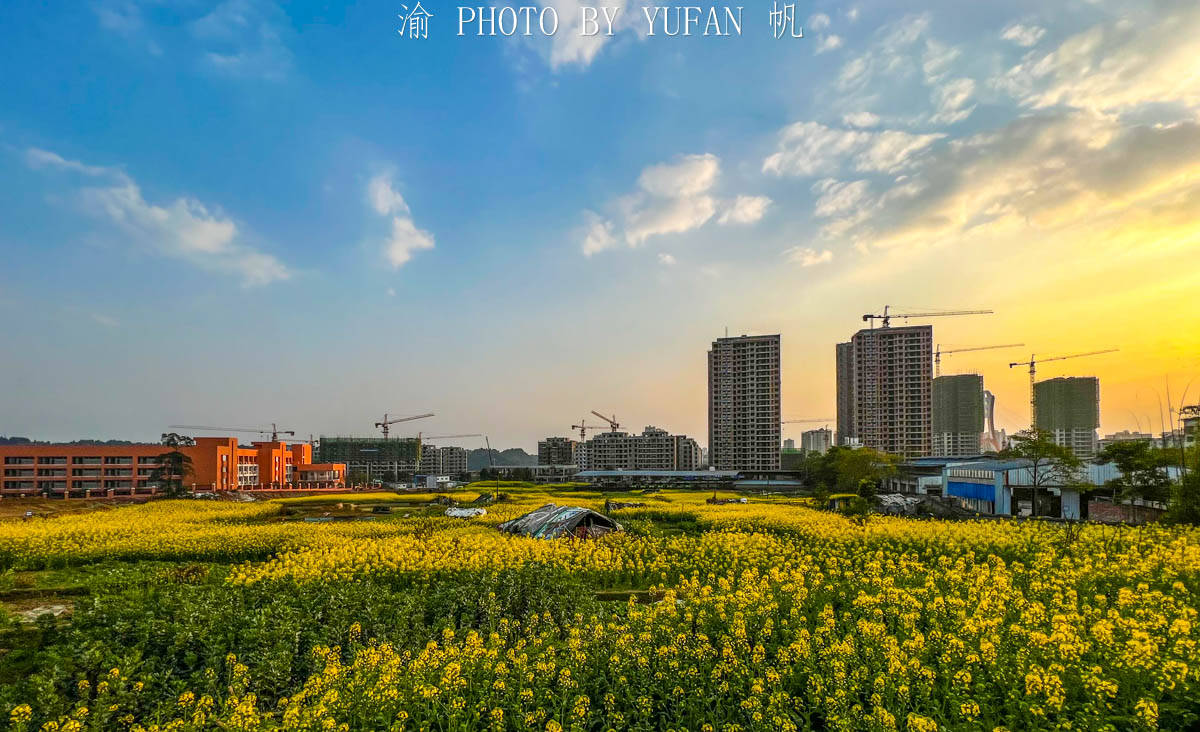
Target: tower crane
<point>937,355</point>
<point>583,427</point>
<point>814,419</point>
<point>385,422</point>
<point>886,316</point>
<point>1032,364</point>
<point>274,432</point>
<point>612,423</point>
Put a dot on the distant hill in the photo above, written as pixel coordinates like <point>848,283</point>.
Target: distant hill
<point>27,441</point>
<point>513,456</point>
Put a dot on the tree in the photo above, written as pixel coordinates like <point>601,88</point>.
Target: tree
<point>1184,505</point>
<point>174,466</point>
<point>1143,470</point>
<point>1049,462</point>
<point>819,469</point>
<point>855,467</point>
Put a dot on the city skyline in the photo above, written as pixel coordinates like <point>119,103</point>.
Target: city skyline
<point>248,213</point>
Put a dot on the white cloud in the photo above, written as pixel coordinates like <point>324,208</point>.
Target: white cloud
<point>810,148</point>
<point>828,43</point>
<point>950,100</point>
<point>245,39</point>
<point>105,320</point>
<point>1037,176</point>
<point>855,72</point>
<point>120,16</point>
<point>568,47</point>
<point>861,119</point>
<point>937,60</point>
<point>391,292</point>
<point>385,199</point>
<point>688,176</point>
<point>745,210</point>
<point>671,198</point>
<point>598,234</point>
<point>666,259</point>
<point>649,218</point>
<point>184,228</point>
<point>1147,57</point>
<point>807,257</point>
<point>852,14</point>
<point>819,21</point>
<point>40,159</point>
<point>839,197</point>
<point>405,238</point>
<point>1023,35</point>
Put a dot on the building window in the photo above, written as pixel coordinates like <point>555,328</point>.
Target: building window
<point>87,460</point>
<point>118,461</point>
<point>52,460</point>
<point>18,461</point>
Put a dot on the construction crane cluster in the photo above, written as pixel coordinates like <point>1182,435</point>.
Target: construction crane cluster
<point>937,355</point>
<point>886,316</point>
<point>384,423</point>
<point>885,319</point>
<point>274,431</point>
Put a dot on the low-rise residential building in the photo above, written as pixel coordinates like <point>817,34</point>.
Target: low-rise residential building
<point>1127,436</point>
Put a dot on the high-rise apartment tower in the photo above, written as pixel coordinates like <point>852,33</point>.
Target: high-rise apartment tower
<point>743,403</point>
<point>893,369</point>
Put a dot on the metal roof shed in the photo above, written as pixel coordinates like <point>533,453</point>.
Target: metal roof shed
<point>553,522</point>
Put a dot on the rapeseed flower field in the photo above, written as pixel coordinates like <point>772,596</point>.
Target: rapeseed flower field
<point>768,615</point>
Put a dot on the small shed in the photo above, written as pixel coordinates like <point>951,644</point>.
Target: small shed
<point>553,522</point>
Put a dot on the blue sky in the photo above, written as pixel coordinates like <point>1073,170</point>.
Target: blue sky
<point>243,211</point>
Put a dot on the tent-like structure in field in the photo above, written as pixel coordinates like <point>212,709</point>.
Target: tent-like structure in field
<point>553,522</point>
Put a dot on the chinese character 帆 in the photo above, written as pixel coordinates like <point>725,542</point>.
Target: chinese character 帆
<point>784,21</point>
<point>414,23</point>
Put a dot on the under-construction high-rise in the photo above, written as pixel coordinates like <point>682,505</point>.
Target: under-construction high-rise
<point>958,415</point>
<point>892,388</point>
<point>743,403</point>
<point>845,394</point>
<point>1069,409</point>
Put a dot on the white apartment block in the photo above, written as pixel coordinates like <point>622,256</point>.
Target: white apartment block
<point>654,449</point>
<point>818,441</point>
<point>442,460</point>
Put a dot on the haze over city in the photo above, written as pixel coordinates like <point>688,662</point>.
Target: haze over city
<point>303,217</point>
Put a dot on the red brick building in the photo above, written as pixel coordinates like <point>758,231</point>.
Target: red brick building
<point>218,464</point>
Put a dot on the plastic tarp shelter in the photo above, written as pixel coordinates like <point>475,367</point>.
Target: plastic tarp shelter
<point>553,522</point>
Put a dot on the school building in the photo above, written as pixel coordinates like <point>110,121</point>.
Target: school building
<point>218,464</point>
